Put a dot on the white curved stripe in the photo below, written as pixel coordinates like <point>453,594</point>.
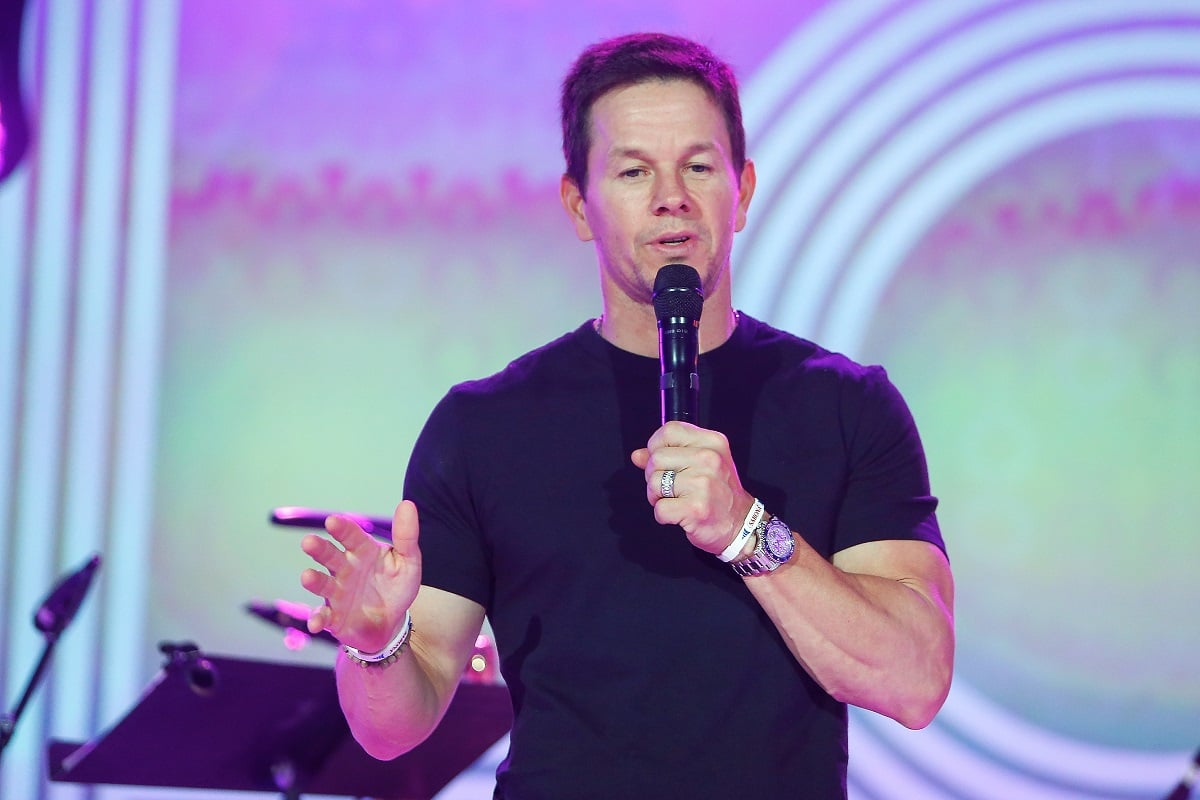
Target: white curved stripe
<point>831,93</point>
<point>807,48</point>
<point>762,283</point>
<point>879,772</point>
<point>798,213</point>
<point>1049,118</point>
<point>774,150</point>
<point>765,248</point>
<point>967,773</point>
<point>999,731</point>
<point>882,176</point>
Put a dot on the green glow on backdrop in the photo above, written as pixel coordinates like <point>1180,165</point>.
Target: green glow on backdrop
<point>1051,354</point>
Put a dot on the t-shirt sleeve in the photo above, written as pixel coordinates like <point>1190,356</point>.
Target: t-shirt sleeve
<point>887,493</point>
<point>453,553</point>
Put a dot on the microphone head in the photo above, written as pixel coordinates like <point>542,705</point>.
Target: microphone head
<point>677,293</point>
<point>64,600</point>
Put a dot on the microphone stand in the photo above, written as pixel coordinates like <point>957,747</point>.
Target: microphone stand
<point>1183,789</point>
<point>8,722</point>
<point>52,618</point>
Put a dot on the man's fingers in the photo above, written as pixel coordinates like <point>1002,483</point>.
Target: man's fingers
<point>684,434</point>
<point>319,620</point>
<point>323,551</point>
<point>317,582</point>
<point>346,531</point>
<point>675,433</point>
<point>406,529</point>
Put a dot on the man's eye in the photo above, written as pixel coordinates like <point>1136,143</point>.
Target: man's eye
<point>633,172</point>
<point>699,168</point>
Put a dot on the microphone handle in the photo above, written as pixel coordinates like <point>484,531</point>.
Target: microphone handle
<point>679,352</point>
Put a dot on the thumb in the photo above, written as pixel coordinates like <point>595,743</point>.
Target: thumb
<point>406,529</point>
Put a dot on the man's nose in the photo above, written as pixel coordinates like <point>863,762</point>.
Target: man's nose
<point>671,194</point>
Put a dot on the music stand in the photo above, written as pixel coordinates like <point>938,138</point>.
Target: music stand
<point>222,723</point>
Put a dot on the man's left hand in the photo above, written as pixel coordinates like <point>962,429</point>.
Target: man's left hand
<point>706,496</point>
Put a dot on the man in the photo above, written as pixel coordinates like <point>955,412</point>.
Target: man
<point>640,664</point>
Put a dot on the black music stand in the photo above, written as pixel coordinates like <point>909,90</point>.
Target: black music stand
<point>215,722</point>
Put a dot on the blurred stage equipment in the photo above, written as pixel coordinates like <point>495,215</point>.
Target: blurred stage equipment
<point>1183,789</point>
<point>302,517</point>
<point>292,617</point>
<point>482,667</point>
<point>484,664</point>
<point>221,723</point>
<point>51,618</point>
<point>14,126</point>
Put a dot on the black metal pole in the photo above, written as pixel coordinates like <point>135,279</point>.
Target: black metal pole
<point>1183,789</point>
<point>8,722</point>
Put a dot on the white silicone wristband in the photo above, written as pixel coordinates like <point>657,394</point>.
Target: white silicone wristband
<point>386,653</point>
<point>748,527</point>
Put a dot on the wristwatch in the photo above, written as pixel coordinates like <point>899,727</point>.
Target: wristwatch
<point>774,546</point>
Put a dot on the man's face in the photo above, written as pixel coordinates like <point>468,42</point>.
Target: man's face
<point>661,189</point>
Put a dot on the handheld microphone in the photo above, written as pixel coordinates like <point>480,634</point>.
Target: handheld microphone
<point>64,600</point>
<point>678,301</point>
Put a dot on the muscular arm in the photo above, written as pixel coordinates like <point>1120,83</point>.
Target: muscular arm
<point>393,709</point>
<point>366,587</point>
<point>874,628</point>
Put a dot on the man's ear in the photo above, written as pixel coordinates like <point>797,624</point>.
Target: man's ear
<point>576,207</point>
<point>745,193</point>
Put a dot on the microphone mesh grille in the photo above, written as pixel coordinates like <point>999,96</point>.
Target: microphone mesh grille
<point>677,293</point>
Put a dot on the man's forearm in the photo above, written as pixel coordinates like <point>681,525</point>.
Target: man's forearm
<point>392,709</point>
<point>882,642</point>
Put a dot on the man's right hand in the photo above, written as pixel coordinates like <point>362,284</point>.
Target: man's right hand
<point>368,585</point>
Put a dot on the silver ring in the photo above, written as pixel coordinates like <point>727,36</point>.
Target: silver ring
<point>666,484</point>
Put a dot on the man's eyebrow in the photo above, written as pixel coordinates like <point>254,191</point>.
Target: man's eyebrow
<point>641,155</point>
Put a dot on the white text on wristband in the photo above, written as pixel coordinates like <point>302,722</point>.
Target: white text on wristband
<point>388,654</point>
<point>748,527</point>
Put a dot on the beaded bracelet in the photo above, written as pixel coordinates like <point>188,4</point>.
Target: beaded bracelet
<point>748,527</point>
<point>388,654</point>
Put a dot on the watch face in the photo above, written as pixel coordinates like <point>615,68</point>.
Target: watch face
<point>778,541</point>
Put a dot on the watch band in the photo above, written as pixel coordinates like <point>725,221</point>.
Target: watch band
<point>774,546</point>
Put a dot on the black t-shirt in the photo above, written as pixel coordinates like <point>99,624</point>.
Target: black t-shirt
<point>638,665</point>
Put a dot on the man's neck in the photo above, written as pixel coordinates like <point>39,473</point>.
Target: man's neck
<point>636,329</point>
